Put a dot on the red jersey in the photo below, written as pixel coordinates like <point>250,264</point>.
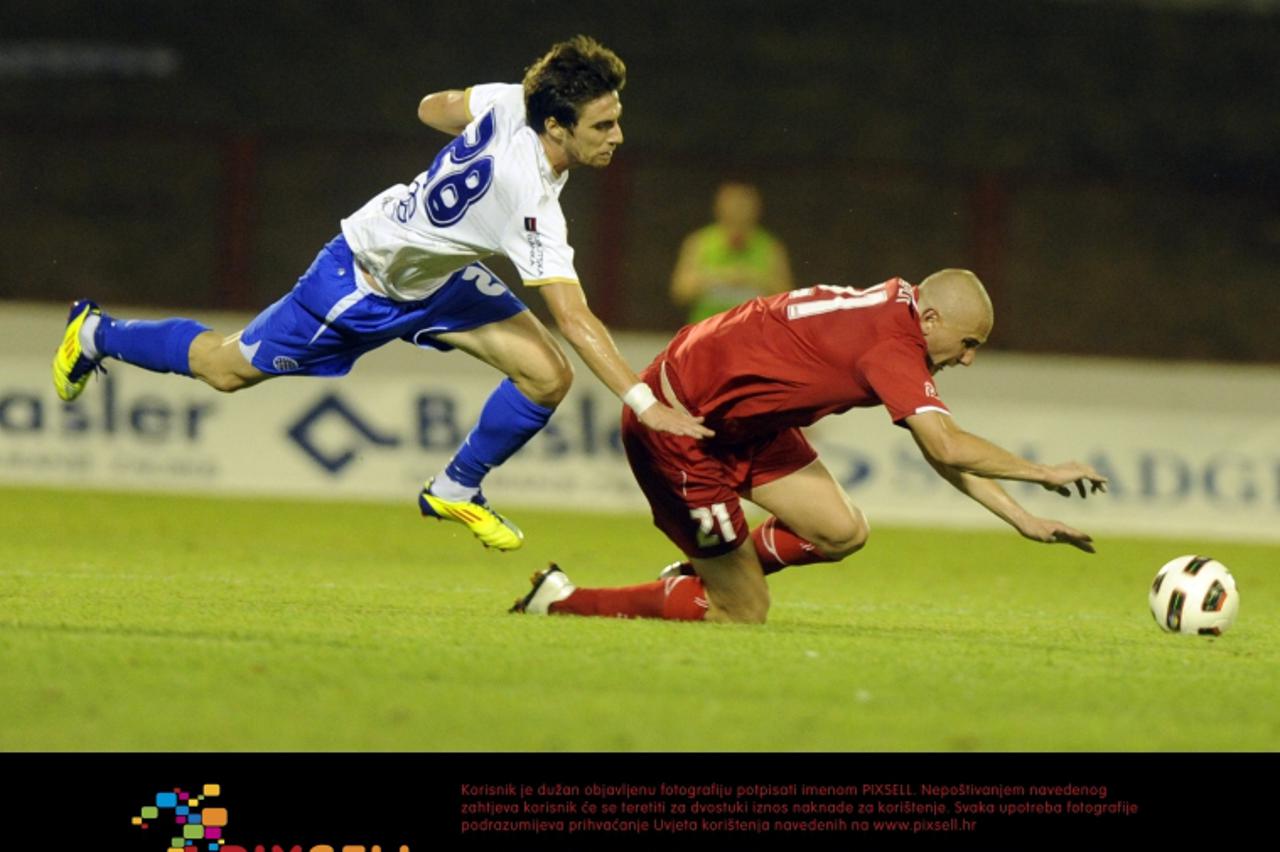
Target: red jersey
<point>792,359</point>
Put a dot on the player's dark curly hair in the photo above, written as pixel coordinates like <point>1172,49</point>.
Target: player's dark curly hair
<point>571,74</point>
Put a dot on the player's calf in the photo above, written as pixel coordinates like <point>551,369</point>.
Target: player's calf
<point>735,586</point>
<point>736,609</point>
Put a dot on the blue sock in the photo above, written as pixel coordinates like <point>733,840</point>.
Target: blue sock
<point>161,347</point>
<point>507,421</point>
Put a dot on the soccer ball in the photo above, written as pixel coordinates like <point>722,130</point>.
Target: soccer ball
<point>1194,594</point>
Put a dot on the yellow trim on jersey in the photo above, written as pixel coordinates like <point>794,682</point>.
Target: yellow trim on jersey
<point>542,282</point>
<point>466,103</point>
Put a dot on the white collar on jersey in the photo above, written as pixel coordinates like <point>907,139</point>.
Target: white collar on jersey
<point>554,183</point>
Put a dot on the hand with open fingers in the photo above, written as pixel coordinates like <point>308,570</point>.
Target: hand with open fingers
<point>1086,480</point>
<point>1056,532</point>
<point>663,418</point>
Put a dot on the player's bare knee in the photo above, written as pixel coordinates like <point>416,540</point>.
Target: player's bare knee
<point>846,540</point>
<point>548,386</point>
<point>224,381</point>
<point>209,362</point>
<point>560,382</point>
<point>852,544</point>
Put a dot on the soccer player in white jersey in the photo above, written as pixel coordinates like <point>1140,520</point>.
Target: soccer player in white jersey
<point>407,266</point>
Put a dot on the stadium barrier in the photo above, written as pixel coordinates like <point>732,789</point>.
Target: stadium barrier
<point>1191,449</point>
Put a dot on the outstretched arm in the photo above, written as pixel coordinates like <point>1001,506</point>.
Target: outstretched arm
<point>971,464</point>
<point>588,335</point>
<point>989,493</point>
<point>942,441</point>
<point>445,111</point>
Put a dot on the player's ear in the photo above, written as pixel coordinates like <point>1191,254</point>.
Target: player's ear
<point>929,317</point>
<point>555,130</point>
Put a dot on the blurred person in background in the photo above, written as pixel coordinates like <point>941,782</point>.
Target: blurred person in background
<point>731,260</point>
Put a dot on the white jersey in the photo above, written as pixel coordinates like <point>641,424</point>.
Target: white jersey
<point>490,191</point>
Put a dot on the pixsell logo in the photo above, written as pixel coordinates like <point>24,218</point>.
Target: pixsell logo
<point>194,825</point>
<point>189,823</point>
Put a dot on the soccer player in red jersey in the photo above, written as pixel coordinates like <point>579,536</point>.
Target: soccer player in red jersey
<point>758,373</point>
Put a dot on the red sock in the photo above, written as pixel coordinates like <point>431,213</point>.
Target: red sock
<point>777,546</point>
<point>675,599</point>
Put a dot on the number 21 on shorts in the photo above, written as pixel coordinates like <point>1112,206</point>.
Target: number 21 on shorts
<point>709,518</point>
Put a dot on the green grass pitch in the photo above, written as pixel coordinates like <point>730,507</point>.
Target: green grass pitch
<point>151,622</point>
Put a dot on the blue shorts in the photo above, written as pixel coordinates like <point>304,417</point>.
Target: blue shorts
<point>331,317</point>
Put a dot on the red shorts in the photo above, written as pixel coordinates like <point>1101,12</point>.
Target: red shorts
<point>694,488</point>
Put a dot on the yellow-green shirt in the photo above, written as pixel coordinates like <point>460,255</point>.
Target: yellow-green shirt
<point>758,255</point>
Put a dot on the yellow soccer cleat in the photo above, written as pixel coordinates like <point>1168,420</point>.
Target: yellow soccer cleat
<point>71,367</point>
<point>492,529</point>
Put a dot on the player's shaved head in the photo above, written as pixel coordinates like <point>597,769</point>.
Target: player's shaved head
<point>960,300</point>
<point>955,317</point>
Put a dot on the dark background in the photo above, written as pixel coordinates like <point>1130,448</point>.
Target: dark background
<point>1111,169</point>
<point>85,801</point>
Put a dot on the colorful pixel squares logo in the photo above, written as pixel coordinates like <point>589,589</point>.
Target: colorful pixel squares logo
<point>196,826</point>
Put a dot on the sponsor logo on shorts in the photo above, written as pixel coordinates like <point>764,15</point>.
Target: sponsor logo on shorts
<point>285,364</point>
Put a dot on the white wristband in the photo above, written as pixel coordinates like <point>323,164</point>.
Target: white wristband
<point>639,397</point>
